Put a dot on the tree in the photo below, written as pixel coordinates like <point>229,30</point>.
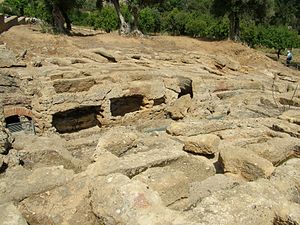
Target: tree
<point>287,12</point>
<point>14,7</point>
<point>280,38</point>
<point>236,9</point>
<point>59,10</point>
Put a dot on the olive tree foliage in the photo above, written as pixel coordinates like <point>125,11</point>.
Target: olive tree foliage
<point>237,9</point>
<point>134,7</point>
<point>59,11</point>
<point>287,12</point>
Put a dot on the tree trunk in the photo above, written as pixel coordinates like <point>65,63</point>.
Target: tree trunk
<point>124,27</point>
<point>99,4</point>
<point>234,29</point>
<point>67,19</point>
<point>135,13</point>
<point>278,54</point>
<point>58,20</point>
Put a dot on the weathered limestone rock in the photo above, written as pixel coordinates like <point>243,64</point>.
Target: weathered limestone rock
<point>292,116</point>
<point>245,163</point>
<point>5,141</point>
<point>73,85</point>
<point>118,200</point>
<point>171,184</point>
<point>289,214</point>
<point>37,151</point>
<point>7,57</point>
<point>286,178</point>
<point>277,150</point>
<point>10,215</point>
<point>117,140</point>
<point>12,159</point>
<point>199,127</point>
<point>202,144</point>
<point>5,136</point>
<point>133,164</point>
<point>68,205</point>
<point>172,181</point>
<point>202,189</point>
<point>179,109</point>
<point>251,203</point>
<point>286,127</point>
<point>19,183</point>
<point>289,101</point>
<point>225,62</point>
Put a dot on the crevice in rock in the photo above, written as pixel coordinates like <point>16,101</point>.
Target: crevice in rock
<point>123,105</point>
<point>77,119</point>
<point>177,200</point>
<point>159,101</point>
<point>279,221</point>
<point>3,168</point>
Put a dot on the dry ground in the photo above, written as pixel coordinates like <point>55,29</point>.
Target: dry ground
<point>36,43</point>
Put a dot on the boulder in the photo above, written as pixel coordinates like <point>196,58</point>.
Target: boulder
<point>286,178</point>
<point>10,215</point>
<point>245,163</point>
<point>201,189</point>
<point>251,203</point>
<point>179,109</point>
<point>133,164</point>
<point>36,151</point>
<point>277,150</point>
<point>172,182</point>
<point>19,183</point>
<point>116,140</point>
<point>206,144</point>
<point>116,199</point>
<point>68,205</point>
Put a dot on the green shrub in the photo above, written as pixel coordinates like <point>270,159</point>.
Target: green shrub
<point>174,22</point>
<point>106,19</point>
<point>217,29</point>
<point>81,18</point>
<point>280,38</point>
<point>149,20</point>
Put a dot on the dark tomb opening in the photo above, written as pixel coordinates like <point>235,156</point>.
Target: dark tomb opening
<point>12,120</point>
<point>20,123</point>
<point>76,119</point>
<point>123,105</point>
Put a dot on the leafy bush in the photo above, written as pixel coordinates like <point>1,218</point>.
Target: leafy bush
<point>81,18</point>
<point>280,38</point>
<point>196,26</point>
<point>106,19</point>
<point>217,29</point>
<point>149,20</point>
<point>174,22</point>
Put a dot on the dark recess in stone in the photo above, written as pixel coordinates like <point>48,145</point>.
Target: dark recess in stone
<point>76,119</point>
<point>124,105</point>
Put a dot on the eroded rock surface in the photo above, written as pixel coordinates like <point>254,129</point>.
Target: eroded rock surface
<point>140,131</point>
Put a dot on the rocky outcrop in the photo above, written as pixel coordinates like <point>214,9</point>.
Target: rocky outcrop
<point>202,144</point>
<point>19,183</point>
<point>161,131</point>
<point>245,163</point>
<point>132,203</point>
<point>10,215</point>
